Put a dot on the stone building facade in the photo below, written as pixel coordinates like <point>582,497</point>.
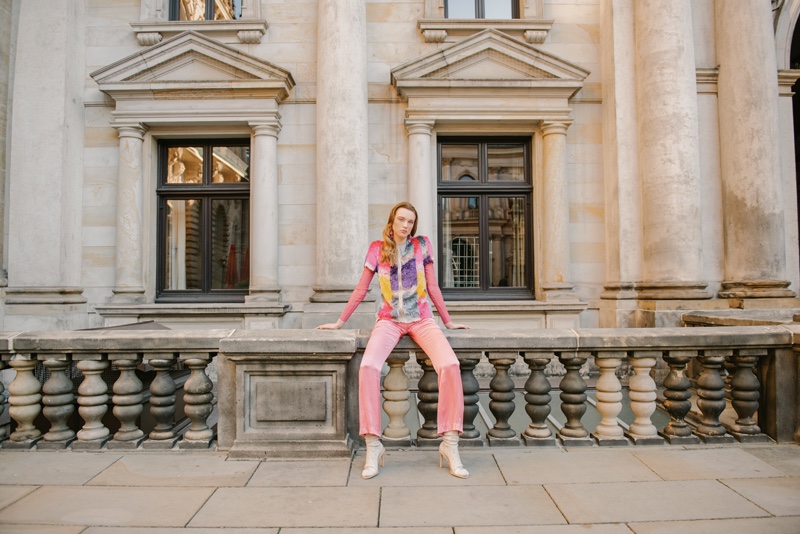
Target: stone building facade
<point>226,162</point>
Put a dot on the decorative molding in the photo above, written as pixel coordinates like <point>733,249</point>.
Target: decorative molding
<point>707,79</point>
<point>786,80</point>
<point>438,30</point>
<point>149,33</point>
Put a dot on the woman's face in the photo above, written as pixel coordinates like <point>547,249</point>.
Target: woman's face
<point>403,223</point>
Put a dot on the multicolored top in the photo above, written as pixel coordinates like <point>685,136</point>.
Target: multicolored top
<point>404,297</point>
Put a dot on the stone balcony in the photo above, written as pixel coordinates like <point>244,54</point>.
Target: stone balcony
<point>293,393</point>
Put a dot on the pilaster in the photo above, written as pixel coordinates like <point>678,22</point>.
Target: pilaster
<point>129,284</point>
<point>264,284</point>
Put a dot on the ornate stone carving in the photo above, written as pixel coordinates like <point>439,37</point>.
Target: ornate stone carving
<point>535,36</point>
<point>149,38</point>
<point>435,36</point>
<point>250,36</point>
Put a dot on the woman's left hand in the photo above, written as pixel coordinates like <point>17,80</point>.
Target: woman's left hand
<point>455,326</point>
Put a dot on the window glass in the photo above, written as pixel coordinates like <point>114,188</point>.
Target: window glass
<point>183,245</point>
<point>506,162</point>
<point>459,162</point>
<point>461,235</point>
<point>461,9</point>
<point>185,165</point>
<point>230,252</point>
<point>231,164</point>
<point>497,9</point>
<point>507,242</point>
<point>196,10</point>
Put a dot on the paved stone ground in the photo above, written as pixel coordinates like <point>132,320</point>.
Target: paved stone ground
<point>645,490</point>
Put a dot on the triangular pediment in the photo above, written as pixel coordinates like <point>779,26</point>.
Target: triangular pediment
<point>489,56</point>
<point>191,61</point>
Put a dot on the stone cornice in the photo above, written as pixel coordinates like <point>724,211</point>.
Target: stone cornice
<point>153,32</point>
<point>438,30</point>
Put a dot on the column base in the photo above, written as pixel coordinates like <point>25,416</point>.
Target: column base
<point>59,445</point>
<point>672,290</point>
<point>93,445</point>
<point>604,441</point>
<point>502,442</point>
<point>44,308</point>
<point>128,295</point>
<point>740,289</point>
<point>680,440</point>
<point>645,440</point>
<point>559,292</point>
<point>567,441</point>
<point>396,443</point>
<point>160,444</point>
<point>271,294</point>
<point>538,442</point>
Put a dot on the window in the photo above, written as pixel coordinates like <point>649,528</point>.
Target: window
<point>481,9</point>
<point>205,10</point>
<point>484,193</point>
<point>203,220</point>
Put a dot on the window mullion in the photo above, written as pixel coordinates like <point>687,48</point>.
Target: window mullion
<point>483,235</point>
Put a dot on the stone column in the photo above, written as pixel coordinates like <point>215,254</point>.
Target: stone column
<point>264,284</point>
<point>755,259</point>
<point>555,214</point>
<point>342,186</point>
<point>421,185</point>
<point>45,177</point>
<point>666,93</point>
<point>129,284</point>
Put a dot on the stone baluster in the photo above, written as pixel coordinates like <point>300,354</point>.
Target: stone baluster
<point>745,394</point>
<point>24,403</point>
<point>197,396</point>
<point>502,403</point>
<point>609,399</point>
<point>4,429</point>
<point>573,400</point>
<point>395,401</point>
<point>162,402</point>
<point>58,403</point>
<point>92,403</point>
<point>428,402</point>
<point>537,398</point>
<point>711,397</point>
<point>127,399</point>
<point>470,436</point>
<point>642,394</point>
<point>677,395</point>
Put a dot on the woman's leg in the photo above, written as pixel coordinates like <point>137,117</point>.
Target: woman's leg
<point>431,339</point>
<point>383,339</point>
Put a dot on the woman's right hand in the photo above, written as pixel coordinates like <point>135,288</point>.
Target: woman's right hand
<point>331,326</point>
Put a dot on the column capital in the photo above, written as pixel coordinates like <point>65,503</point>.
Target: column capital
<point>270,127</point>
<point>419,126</point>
<point>555,127</point>
<point>131,129</point>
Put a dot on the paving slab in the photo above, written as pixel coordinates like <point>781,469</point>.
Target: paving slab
<point>616,528</point>
<point>479,505</point>
<point>41,529</point>
<point>697,464</point>
<point>37,468</point>
<point>786,458</point>
<point>168,469</point>
<point>137,530</point>
<point>773,525</point>
<point>99,506</point>
<point>414,468</point>
<point>556,466</point>
<point>290,507</point>
<point>390,530</point>
<point>10,494</point>
<point>778,496</point>
<point>619,502</point>
<point>302,473</point>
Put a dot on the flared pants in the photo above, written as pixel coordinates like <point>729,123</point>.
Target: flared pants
<point>427,334</point>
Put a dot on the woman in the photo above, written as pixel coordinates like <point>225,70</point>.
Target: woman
<point>405,310</point>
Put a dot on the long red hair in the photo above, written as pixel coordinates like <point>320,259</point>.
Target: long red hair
<point>389,248</point>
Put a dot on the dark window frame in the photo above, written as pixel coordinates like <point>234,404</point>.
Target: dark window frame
<point>480,9</point>
<point>484,189</point>
<point>207,192</point>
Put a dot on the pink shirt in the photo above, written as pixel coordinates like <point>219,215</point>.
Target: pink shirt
<point>404,297</point>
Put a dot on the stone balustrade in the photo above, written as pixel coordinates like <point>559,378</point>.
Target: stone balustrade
<point>295,392</point>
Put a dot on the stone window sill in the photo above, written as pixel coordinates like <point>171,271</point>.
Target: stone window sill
<point>438,30</point>
<point>247,31</point>
<point>513,306</point>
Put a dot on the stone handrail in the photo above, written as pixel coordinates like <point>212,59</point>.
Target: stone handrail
<point>294,392</point>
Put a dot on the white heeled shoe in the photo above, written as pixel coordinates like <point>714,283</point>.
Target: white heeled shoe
<point>375,453</point>
<point>448,449</point>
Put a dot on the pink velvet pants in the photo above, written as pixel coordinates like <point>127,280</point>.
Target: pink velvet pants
<point>427,334</point>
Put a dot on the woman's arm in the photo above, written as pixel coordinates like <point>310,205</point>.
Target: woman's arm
<point>355,299</point>
<point>436,296</point>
